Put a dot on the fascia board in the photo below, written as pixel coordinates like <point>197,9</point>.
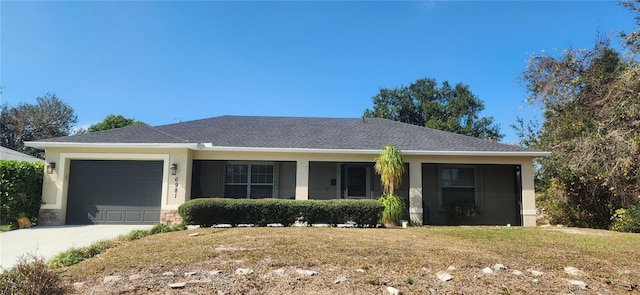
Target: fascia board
<point>209,147</point>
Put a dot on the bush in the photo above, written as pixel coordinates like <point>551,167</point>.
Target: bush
<point>137,234</point>
<point>365,213</point>
<point>316,211</point>
<point>30,276</point>
<point>20,190</point>
<point>461,212</point>
<point>393,209</point>
<point>165,228</point>
<point>68,258</point>
<point>626,220</point>
<point>207,212</point>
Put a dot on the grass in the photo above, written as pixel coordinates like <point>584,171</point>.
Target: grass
<point>407,259</point>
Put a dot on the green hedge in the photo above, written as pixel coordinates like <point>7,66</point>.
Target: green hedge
<point>207,212</point>
<point>20,190</point>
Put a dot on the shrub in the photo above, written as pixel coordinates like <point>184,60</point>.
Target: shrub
<point>20,190</point>
<point>98,247</point>
<point>315,211</point>
<point>461,212</point>
<point>393,209</point>
<point>626,220</point>
<point>68,258</point>
<point>30,276</point>
<point>207,212</point>
<point>365,213</point>
<point>165,228</point>
<point>137,234</point>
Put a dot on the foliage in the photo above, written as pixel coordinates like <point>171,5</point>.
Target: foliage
<point>113,122</point>
<point>30,276</point>
<point>20,190</point>
<point>626,220</point>
<point>76,255</point>
<point>393,209</point>
<point>50,117</point>
<point>632,40</point>
<point>68,258</point>
<point>390,167</point>
<point>423,103</point>
<point>210,211</point>
<point>591,102</point>
<point>461,212</point>
<point>166,228</point>
<point>137,234</point>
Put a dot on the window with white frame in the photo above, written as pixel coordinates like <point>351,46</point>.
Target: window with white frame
<point>252,181</point>
<point>458,184</point>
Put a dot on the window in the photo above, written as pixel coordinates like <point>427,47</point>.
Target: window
<point>253,181</point>
<point>457,184</point>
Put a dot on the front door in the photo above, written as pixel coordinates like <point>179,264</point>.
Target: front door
<point>356,181</point>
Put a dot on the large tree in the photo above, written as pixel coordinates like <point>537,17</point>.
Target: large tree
<point>591,110</point>
<point>49,117</point>
<point>112,122</point>
<point>424,103</point>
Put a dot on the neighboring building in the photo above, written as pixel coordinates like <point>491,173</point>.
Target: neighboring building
<point>141,174</point>
<point>9,154</point>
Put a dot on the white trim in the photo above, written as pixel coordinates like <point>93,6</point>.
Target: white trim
<point>41,144</point>
<point>211,147</point>
<point>249,184</point>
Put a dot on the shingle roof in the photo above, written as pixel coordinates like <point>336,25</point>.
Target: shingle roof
<point>296,133</point>
<point>9,154</point>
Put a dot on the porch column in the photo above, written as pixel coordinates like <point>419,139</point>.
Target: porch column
<point>302,180</point>
<point>528,209</point>
<point>415,192</point>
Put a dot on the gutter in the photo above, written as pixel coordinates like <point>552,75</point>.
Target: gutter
<point>211,147</point>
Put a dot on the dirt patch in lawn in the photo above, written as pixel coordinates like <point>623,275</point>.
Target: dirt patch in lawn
<point>477,260</point>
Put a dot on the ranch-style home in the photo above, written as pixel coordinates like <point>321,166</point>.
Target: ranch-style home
<point>141,174</point>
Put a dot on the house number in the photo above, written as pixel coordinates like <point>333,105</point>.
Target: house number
<point>175,190</point>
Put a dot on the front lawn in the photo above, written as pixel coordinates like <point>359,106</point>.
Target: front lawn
<point>366,261</point>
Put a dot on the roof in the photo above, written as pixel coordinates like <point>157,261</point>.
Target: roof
<point>9,154</point>
<point>290,133</point>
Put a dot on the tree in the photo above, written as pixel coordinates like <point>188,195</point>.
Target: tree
<point>423,103</point>
<point>390,167</point>
<point>112,122</point>
<point>591,105</point>
<point>50,117</point>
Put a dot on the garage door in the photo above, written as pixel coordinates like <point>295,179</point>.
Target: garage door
<point>114,192</point>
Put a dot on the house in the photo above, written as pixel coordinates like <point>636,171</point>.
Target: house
<point>9,154</point>
<point>141,174</point>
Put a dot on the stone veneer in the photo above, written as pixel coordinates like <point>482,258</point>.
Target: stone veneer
<point>170,217</point>
<point>49,217</point>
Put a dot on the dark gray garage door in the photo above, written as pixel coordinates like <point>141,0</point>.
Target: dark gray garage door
<point>114,192</point>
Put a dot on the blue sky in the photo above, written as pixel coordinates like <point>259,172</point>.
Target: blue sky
<point>165,61</point>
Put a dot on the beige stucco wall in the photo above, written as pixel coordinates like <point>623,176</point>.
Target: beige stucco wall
<point>298,164</point>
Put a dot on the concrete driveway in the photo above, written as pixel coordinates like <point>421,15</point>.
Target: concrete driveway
<point>47,241</point>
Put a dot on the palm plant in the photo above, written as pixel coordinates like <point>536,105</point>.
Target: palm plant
<point>390,167</point>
